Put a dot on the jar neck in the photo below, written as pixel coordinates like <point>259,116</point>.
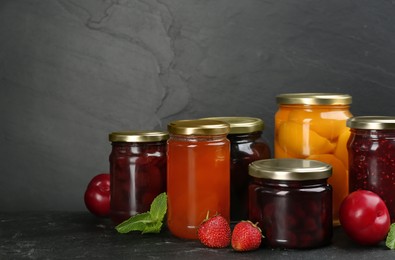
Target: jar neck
<point>137,148</point>
<point>372,133</point>
<point>245,136</point>
<point>290,184</point>
<point>198,138</point>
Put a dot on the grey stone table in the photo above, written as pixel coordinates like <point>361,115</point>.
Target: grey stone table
<point>79,235</point>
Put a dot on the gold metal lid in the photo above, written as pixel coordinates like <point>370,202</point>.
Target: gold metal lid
<point>138,136</point>
<point>241,125</point>
<point>198,127</point>
<point>290,169</point>
<point>372,122</point>
<point>314,99</point>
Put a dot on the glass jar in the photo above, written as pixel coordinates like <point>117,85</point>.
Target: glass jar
<point>313,126</point>
<point>138,172</point>
<point>198,178</point>
<point>371,151</point>
<point>246,145</point>
<point>292,202</point>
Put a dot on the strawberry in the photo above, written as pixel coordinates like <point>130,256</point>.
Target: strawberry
<point>246,236</point>
<point>214,232</point>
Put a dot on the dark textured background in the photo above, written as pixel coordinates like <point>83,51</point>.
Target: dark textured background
<point>73,71</point>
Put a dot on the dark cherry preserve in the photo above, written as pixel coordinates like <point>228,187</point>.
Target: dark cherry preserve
<point>371,153</point>
<point>245,149</point>
<point>246,146</point>
<point>138,172</point>
<point>292,202</point>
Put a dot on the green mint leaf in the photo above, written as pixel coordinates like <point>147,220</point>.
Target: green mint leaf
<point>159,207</point>
<point>135,223</point>
<point>154,227</point>
<point>148,222</point>
<point>390,241</point>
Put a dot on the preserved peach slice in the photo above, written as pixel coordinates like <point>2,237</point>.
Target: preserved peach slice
<point>280,153</point>
<point>341,147</point>
<point>338,180</point>
<point>281,116</point>
<point>328,124</point>
<point>300,141</point>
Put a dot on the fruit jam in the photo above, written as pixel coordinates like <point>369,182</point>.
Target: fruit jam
<point>372,157</point>
<point>246,145</point>
<point>292,202</point>
<point>138,172</point>
<point>198,178</point>
<point>313,126</point>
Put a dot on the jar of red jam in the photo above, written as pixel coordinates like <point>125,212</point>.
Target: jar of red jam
<point>138,168</point>
<point>371,153</point>
<point>292,202</point>
<point>198,177</point>
<point>246,145</point>
<point>312,126</point>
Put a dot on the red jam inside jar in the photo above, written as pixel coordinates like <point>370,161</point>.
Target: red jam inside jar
<point>138,172</point>
<point>246,146</point>
<point>371,153</point>
<point>292,202</point>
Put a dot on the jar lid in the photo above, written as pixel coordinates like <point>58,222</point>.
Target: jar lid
<point>198,127</point>
<point>290,169</point>
<point>314,99</point>
<point>138,136</point>
<point>372,122</point>
<point>241,125</point>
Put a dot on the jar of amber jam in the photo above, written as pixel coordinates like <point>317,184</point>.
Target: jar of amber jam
<point>292,202</point>
<point>313,126</point>
<point>198,178</point>
<point>137,171</point>
<point>371,152</point>
<point>246,145</point>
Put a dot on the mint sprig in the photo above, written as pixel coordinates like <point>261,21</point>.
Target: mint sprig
<point>148,222</point>
<point>390,241</point>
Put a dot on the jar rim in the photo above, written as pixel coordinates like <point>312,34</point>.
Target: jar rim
<point>371,122</point>
<point>314,99</point>
<point>138,136</point>
<point>241,125</point>
<point>198,127</point>
<point>290,169</point>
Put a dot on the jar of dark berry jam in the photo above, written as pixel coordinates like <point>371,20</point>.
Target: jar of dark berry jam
<point>371,153</point>
<point>138,171</point>
<point>246,145</point>
<point>292,202</point>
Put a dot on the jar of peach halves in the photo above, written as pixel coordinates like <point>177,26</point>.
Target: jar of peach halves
<point>313,126</point>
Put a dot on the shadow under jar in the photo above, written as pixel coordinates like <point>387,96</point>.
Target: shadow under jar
<point>292,202</point>
<point>371,153</point>
<point>246,145</point>
<point>138,172</point>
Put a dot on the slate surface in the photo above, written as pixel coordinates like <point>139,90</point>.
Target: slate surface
<point>80,235</point>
